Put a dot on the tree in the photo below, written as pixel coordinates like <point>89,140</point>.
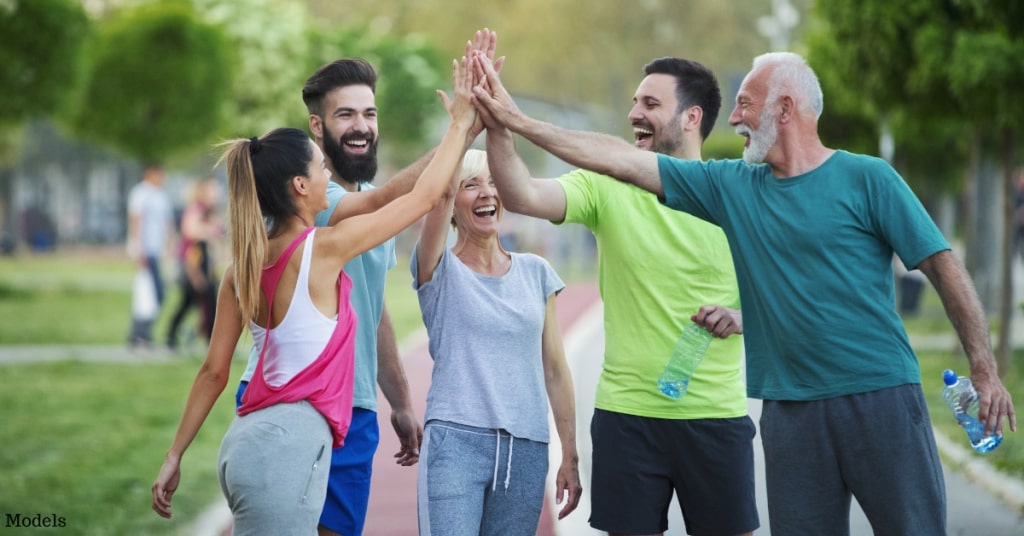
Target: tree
<point>958,59</point>
<point>155,83</point>
<point>268,37</point>
<point>39,46</point>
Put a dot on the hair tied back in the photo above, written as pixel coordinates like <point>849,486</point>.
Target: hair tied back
<point>254,145</point>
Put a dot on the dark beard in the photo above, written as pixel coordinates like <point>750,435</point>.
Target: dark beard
<point>352,169</point>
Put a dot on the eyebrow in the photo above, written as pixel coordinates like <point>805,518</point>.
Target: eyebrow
<point>349,109</point>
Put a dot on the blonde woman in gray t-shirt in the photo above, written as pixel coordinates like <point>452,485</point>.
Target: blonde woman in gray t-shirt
<point>498,360</point>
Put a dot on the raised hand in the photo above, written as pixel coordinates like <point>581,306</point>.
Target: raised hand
<point>493,101</point>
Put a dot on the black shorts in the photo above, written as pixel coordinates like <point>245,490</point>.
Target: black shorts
<point>639,461</point>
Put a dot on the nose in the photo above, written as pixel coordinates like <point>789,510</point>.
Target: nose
<point>634,113</point>
<point>735,118</point>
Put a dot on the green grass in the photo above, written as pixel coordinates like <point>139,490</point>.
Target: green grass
<point>85,440</point>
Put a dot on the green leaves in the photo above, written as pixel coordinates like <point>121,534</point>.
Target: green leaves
<point>157,78</point>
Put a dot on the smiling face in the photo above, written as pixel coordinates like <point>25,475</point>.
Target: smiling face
<point>656,123</point>
<point>754,117</point>
<point>349,132</point>
<point>478,208</point>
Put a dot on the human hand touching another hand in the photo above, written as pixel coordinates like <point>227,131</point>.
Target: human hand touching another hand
<point>496,106</point>
<point>719,321</point>
<point>484,41</point>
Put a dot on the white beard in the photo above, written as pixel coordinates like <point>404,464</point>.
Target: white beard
<point>761,140</point>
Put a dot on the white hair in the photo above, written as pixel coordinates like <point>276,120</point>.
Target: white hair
<point>791,71</point>
<point>474,163</point>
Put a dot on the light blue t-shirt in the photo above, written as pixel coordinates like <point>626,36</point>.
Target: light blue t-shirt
<point>155,211</point>
<point>368,273</point>
<point>813,256</point>
<point>486,339</point>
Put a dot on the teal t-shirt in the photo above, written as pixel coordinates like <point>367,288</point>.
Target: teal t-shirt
<point>657,267</point>
<point>368,273</point>
<point>813,259</point>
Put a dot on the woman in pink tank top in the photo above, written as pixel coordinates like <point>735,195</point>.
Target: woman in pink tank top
<point>272,466</point>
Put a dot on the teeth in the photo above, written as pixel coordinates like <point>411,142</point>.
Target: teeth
<point>643,132</point>
<point>357,143</point>
<point>485,209</point>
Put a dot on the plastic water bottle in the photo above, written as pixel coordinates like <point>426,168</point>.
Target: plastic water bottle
<point>686,355</point>
<point>962,399</point>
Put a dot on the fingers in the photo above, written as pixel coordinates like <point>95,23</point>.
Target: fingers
<point>162,501</point>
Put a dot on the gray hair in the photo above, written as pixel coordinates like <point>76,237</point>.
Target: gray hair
<point>791,71</point>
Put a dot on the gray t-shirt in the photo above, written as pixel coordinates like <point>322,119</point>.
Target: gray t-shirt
<point>485,339</point>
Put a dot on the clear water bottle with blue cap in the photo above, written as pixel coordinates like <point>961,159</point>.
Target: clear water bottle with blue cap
<point>686,355</point>
<point>962,399</point>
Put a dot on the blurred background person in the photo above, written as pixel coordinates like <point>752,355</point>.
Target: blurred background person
<point>200,228</point>
<point>150,221</point>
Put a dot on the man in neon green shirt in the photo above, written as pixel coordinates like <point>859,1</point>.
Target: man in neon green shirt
<point>660,269</point>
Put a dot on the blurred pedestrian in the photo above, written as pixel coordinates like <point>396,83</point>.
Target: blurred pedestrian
<point>150,224</point>
<point>199,230</point>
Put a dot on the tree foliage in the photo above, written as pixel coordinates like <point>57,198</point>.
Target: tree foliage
<point>156,80</point>
<point>39,46</point>
<point>269,52</point>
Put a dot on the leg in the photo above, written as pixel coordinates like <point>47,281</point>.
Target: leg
<point>348,488</point>
<point>714,475</point>
<point>456,469</point>
<point>892,464</point>
<point>806,492</point>
<point>188,297</point>
<point>513,506</point>
<point>273,469</point>
<point>631,485</point>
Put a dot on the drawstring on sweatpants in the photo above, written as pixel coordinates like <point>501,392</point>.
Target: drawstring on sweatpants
<point>508,464</point>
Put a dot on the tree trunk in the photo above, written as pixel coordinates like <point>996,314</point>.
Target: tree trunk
<point>1004,349</point>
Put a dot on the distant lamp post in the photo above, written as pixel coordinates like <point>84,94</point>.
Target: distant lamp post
<point>777,26</point>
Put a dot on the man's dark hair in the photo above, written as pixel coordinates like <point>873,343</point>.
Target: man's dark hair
<point>695,86</point>
<point>338,73</point>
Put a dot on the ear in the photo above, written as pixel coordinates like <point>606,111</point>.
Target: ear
<point>787,108</point>
<point>692,117</point>
<point>316,126</point>
<point>300,184</point>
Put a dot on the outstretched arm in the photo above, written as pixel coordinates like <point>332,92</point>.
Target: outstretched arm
<point>540,198</point>
<point>963,307</point>
<point>589,150</point>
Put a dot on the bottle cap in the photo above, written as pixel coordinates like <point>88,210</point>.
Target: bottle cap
<point>949,377</point>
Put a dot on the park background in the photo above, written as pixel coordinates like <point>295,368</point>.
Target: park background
<point>92,89</point>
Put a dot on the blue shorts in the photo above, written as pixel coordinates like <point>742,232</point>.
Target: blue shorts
<point>639,461</point>
<point>348,487</point>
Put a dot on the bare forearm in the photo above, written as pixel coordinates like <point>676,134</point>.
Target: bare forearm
<point>521,193</point>
<point>391,374</point>
<point>963,307</point>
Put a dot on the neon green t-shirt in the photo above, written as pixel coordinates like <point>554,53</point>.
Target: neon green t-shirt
<point>657,267</point>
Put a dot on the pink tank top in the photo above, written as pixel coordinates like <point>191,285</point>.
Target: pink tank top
<point>327,382</point>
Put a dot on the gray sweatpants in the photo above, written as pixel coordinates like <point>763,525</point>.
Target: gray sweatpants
<point>273,468</point>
